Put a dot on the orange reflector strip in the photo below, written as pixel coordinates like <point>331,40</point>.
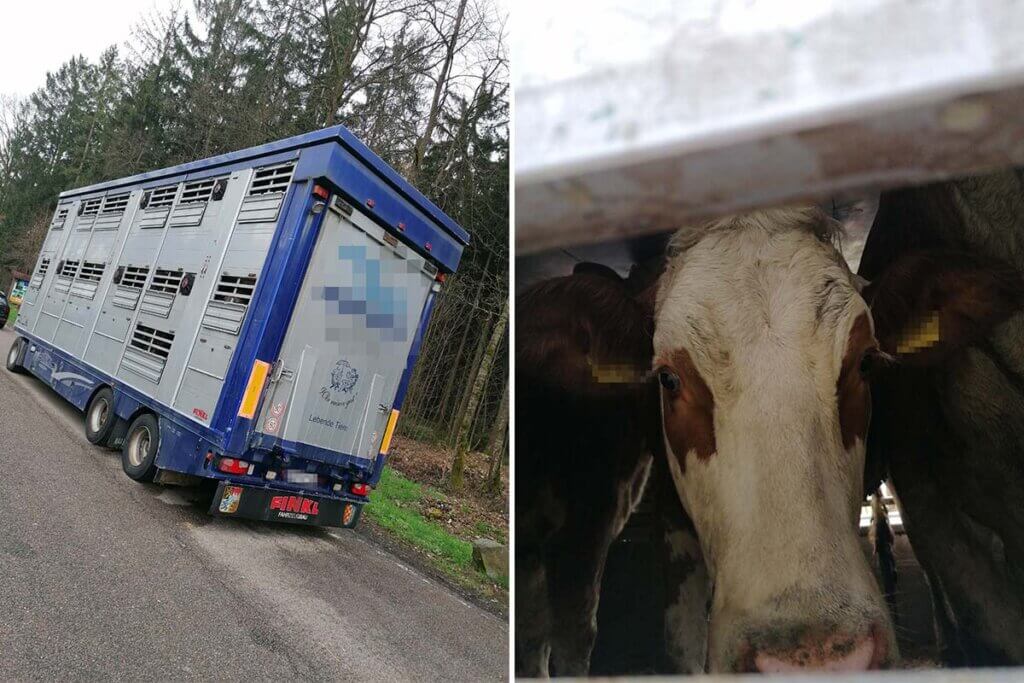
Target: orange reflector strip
<point>385,445</point>
<point>257,378</point>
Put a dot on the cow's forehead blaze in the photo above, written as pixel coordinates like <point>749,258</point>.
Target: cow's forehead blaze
<point>689,412</point>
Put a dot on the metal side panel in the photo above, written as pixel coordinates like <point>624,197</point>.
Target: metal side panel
<point>348,340</point>
<point>145,365</point>
<point>187,215</point>
<point>261,208</point>
<point>153,218</point>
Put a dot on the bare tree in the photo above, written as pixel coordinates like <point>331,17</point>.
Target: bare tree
<point>479,383</point>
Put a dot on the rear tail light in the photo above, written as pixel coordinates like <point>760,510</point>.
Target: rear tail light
<point>233,466</point>
<point>360,489</point>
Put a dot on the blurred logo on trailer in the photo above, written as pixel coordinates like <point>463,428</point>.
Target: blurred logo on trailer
<point>271,425</point>
<point>231,499</point>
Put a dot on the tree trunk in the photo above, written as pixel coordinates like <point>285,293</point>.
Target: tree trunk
<point>479,384</point>
<point>496,444</point>
<point>440,89</point>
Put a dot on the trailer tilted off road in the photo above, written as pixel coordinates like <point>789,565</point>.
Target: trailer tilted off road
<point>252,318</point>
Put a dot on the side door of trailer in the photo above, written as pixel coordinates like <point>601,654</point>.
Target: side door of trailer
<point>349,339</point>
<point>68,264</point>
<point>46,265</point>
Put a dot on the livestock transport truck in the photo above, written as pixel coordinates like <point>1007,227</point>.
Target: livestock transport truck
<point>252,318</point>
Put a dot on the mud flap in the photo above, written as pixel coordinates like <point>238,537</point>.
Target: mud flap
<point>232,500</point>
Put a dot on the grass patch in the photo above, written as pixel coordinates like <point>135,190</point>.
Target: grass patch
<point>12,314</point>
<point>395,506</point>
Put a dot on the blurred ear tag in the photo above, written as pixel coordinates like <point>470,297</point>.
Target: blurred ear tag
<point>615,373</point>
<point>919,334</point>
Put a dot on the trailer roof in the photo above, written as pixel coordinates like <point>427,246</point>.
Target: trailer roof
<point>338,134</point>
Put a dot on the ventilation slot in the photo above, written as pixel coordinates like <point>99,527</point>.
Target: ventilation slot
<point>89,277</point>
<point>115,203</point>
<point>235,289</point>
<point>58,220</point>
<point>231,299</point>
<point>159,298</point>
<point>198,191</point>
<point>92,271</point>
<point>135,277</point>
<point>69,269</point>
<point>130,288</point>
<point>91,207</point>
<point>162,197</point>
<point>271,179</point>
<point>147,352</point>
<point>152,340</point>
<point>40,274</point>
<point>166,280</point>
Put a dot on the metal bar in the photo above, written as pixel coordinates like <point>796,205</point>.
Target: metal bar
<point>709,117</point>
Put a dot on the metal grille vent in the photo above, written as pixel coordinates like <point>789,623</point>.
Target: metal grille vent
<point>91,206</point>
<point>69,269</point>
<point>235,289</point>
<point>37,278</point>
<point>166,280</point>
<point>115,203</point>
<point>197,192</point>
<point>152,340</point>
<point>92,271</point>
<point>162,196</point>
<point>58,220</point>
<point>135,276</point>
<point>271,179</point>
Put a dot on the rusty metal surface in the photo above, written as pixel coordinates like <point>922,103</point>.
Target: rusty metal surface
<point>710,119</point>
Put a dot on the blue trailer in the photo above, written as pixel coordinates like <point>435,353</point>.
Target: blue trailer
<point>253,318</point>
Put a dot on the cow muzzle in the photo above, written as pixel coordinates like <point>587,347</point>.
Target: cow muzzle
<point>817,651</point>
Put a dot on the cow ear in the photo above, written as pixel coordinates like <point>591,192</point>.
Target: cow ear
<point>928,304</point>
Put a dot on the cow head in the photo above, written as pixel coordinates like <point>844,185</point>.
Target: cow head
<point>762,347</point>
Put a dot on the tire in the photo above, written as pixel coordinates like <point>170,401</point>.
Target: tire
<point>141,446</point>
<point>15,355</point>
<point>100,419</point>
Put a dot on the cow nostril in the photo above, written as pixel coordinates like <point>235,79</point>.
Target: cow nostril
<point>835,653</point>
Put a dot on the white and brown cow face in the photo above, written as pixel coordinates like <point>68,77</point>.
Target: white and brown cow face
<point>761,343</point>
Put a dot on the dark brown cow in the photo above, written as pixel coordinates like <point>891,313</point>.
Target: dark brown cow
<point>949,419</point>
<point>586,426</point>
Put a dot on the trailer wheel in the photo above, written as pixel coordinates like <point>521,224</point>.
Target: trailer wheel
<point>142,443</point>
<point>14,356</point>
<point>100,418</point>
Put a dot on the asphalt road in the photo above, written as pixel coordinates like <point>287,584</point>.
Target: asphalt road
<point>102,577</point>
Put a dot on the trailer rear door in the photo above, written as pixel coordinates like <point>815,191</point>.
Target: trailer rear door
<point>348,340</point>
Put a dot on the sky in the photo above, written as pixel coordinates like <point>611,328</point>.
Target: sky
<point>33,42</point>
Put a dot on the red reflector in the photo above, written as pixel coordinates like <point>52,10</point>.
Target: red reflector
<point>401,226</point>
<point>232,466</point>
<point>321,192</point>
<point>370,203</point>
<point>441,277</point>
<point>360,489</point>
<point>428,246</point>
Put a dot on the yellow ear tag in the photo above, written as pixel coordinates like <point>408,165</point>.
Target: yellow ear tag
<point>614,373</point>
<point>920,334</point>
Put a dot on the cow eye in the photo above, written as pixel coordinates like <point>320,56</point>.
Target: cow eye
<point>669,379</point>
